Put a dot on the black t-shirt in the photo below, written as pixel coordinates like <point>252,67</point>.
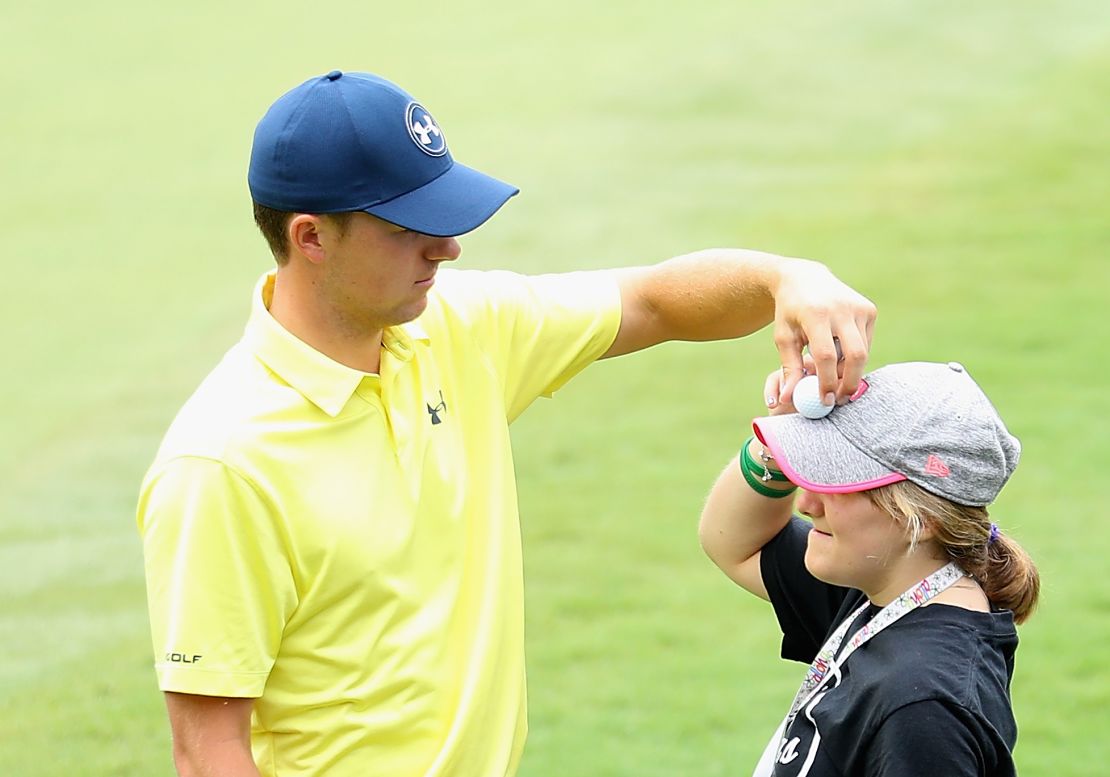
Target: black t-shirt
<point>929,696</point>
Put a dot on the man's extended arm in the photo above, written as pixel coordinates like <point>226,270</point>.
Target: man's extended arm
<point>719,294</point>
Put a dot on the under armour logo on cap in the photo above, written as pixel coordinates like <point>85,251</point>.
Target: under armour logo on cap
<point>424,131</point>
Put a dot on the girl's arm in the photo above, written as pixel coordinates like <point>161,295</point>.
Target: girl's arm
<point>737,522</point>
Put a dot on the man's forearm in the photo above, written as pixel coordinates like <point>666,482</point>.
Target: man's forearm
<point>725,293</point>
<point>715,294</point>
<point>211,735</point>
<point>215,759</point>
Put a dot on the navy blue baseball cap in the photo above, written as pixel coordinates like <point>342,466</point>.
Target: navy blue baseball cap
<point>355,141</point>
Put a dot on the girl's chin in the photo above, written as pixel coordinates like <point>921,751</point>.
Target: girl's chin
<point>817,566</point>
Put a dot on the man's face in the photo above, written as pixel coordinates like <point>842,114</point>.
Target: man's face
<point>378,274</point>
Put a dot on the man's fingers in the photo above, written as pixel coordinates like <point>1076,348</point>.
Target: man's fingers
<point>825,351</point>
<point>854,345</point>
<point>790,377</point>
<point>789,345</point>
<point>813,308</point>
<point>868,326</point>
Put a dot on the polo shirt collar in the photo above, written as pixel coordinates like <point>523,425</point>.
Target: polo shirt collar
<point>320,379</point>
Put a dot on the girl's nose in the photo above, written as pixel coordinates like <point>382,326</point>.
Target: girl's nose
<point>808,504</point>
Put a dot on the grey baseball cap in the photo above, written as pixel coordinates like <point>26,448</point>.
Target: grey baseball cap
<point>927,423</point>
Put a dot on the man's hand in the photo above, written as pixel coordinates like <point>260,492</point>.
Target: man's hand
<point>813,307</point>
<point>722,293</point>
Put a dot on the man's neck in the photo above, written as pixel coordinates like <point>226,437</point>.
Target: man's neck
<point>312,323</point>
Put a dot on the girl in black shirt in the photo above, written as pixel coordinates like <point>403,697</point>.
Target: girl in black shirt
<point>896,587</point>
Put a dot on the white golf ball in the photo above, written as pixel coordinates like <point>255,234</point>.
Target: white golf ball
<point>807,398</point>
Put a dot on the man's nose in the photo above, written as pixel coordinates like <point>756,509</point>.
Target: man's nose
<point>443,249</point>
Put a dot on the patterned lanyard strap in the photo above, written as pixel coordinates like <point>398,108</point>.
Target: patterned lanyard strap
<point>826,658</point>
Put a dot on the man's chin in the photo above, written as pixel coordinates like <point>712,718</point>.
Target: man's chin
<point>411,312</point>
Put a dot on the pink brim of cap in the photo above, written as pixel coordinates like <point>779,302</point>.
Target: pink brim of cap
<point>817,457</point>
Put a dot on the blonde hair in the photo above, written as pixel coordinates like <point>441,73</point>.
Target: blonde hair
<point>1003,568</point>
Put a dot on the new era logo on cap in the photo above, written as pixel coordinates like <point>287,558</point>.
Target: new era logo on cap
<point>935,467</point>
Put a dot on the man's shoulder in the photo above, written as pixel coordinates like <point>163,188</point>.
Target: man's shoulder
<point>458,289</point>
<point>477,295</point>
<point>493,286</point>
<point>226,407</point>
<point>472,300</point>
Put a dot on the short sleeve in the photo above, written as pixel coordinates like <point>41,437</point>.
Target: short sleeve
<point>219,585</point>
<point>538,331</point>
<point>928,738</point>
<point>806,608</point>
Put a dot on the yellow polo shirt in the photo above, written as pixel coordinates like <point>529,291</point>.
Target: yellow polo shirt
<point>344,547</point>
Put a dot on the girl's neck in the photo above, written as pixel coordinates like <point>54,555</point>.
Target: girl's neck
<point>966,592</point>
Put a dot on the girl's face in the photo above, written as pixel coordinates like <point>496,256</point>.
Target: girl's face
<point>853,543</point>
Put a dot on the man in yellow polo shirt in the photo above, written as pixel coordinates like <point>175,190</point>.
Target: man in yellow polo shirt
<point>330,526</point>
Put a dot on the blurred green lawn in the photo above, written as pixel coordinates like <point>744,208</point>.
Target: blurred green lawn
<point>949,159</point>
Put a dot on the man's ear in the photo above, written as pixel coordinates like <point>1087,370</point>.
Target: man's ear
<point>303,233</point>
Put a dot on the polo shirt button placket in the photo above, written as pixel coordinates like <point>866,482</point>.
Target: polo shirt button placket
<point>404,410</point>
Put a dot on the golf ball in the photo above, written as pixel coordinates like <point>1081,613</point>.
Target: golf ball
<point>807,398</point>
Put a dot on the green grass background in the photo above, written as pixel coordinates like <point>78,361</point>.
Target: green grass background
<point>949,159</point>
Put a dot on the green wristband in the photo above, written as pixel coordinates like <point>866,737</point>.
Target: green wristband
<point>760,469</point>
<point>757,483</point>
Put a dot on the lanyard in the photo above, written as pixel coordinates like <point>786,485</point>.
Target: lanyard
<point>827,660</point>
<point>909,600</point>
